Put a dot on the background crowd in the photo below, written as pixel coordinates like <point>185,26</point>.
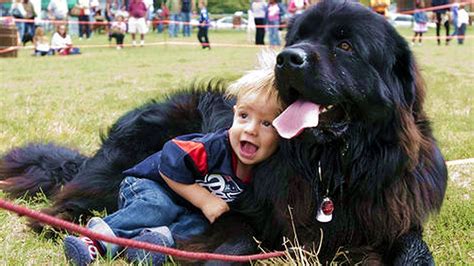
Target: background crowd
<point>138,17</point>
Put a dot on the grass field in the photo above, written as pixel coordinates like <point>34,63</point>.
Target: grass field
<point>70,99</point>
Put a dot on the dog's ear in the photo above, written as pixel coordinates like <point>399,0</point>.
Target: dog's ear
<point>406,71</point>
<point>411,95</point>
<point>290,33</point>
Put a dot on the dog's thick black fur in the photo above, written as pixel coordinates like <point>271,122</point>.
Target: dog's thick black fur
<point>379,161</point>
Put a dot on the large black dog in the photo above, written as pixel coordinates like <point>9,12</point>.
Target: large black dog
<point>372,153</point>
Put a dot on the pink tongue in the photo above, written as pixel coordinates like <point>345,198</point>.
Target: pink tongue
<point>249,148</point>
<point>298,116</point>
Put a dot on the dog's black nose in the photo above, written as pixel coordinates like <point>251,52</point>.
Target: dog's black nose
<point>292,58</point>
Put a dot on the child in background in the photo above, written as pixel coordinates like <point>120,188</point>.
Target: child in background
<point>421,22</point>
<point>177,192</point>
<point>41,43</point>
<point>463,21</point>
<point>203,26</point>
<point>61,42</point>
<point>117,30</point>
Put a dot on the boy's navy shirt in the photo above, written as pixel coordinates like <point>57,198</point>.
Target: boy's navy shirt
<point>205,159</point>
<point>204,19</point>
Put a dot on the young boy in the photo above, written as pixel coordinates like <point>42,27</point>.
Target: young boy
<point>177,192</point>
<point>203,26</point>
<point>117,30</point>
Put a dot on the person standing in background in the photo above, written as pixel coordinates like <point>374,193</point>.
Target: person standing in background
<point>275,11</point>
<point>463,20</point>
<point>259,9</point>
<point>136,21</point>
<point>37,9</point>
<point>161,15</point>
<point>17,10</point>
<point>421,22</point>
<point>441,17</point>
<point>84,26</point>
<point>29,32</point>
<point>95,12</point>
<point>149,13</point>
<point>57,10</point>
<point>203,26</point>
<point>454,11</point>
<point>297,7</point>
<point>174,7</point>
<point>187,7</point>
<point>111,9</point>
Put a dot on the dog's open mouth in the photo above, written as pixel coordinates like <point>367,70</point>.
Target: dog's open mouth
<point>303,113</point>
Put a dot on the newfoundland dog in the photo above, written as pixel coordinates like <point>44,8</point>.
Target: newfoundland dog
<point>365,179</point>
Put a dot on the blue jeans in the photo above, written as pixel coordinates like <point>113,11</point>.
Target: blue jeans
<point>173,27</point>
<point>84,29</point>
<point>186,16</point>
<point>144,205</point>
<point>273,32</point>
<point>159,27</point>
<point>455,24</point>
<point>461,33</point>
<point>20,27</point>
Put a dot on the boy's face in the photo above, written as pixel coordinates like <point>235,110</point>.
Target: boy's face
<point>252,136</point>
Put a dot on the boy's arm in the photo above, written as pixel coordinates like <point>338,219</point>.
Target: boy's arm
<point>211,206</point>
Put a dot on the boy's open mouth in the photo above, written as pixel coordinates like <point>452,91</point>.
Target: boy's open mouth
<point>248,149</point>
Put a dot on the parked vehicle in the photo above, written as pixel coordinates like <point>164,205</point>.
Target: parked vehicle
<point>405,20</point>
<point>227,22</point>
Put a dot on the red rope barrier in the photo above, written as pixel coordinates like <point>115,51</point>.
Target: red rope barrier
<point>434,8</point>
<point>71,227</point>
<point>8,49</point>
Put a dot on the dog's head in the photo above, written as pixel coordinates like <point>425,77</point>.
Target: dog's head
<point>350,62</point>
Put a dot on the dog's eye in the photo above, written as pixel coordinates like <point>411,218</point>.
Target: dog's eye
<point>345,46</point>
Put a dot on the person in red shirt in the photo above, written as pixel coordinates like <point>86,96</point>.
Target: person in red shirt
<point>136,23</point>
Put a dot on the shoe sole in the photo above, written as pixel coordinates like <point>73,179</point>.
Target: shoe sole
<point>78,256</point>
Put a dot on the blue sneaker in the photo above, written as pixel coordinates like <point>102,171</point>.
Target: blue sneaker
<point>147,257</point>
<point>80,251</point>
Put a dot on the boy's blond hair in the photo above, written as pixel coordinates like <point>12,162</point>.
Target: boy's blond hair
<point>260,81</point>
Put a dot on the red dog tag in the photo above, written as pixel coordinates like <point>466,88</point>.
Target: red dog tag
<point>325,211</point>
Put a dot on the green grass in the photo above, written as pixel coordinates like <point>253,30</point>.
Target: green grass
<point>70,99</point>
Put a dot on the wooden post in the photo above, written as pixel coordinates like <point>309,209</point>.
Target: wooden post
<point>8,39</point>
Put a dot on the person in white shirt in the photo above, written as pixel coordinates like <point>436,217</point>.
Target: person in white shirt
<point>17,10</point>
<point>57,9</point>
<point>61,42</point>
<point>41,43</point>
<point>463,21</point>
<point>258,8</point>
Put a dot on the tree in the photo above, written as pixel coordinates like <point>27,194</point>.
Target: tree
<point>227,6</point>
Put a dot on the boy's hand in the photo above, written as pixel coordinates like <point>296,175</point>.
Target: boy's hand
<point>214,208</point>
<point>211,206</point>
